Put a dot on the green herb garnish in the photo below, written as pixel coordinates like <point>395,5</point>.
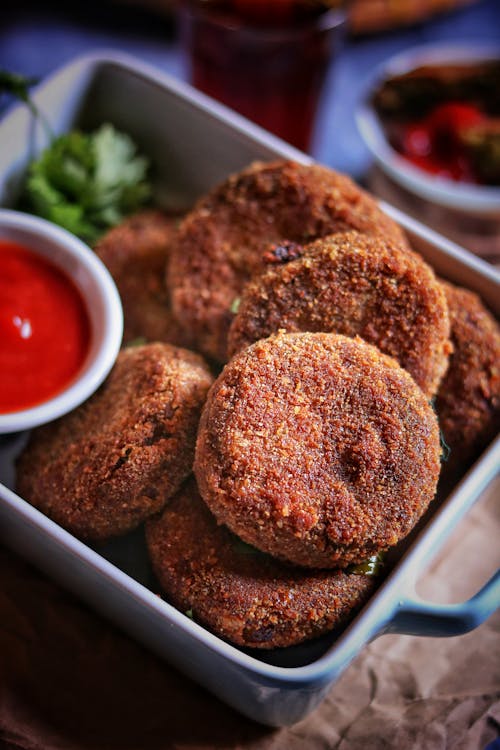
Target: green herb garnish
<point>85,182</point>
<point>189,613</point>
<point>372,566</point>
<point>241,547</point>
<point>138,341</point>
<point>17,85</point>
<point>445,448</point>
<point>88,182</point>
<point>235,305</point>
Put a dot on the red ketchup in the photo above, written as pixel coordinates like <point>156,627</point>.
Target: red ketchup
<point>44,329</point>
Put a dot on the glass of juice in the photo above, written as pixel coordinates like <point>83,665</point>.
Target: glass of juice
<point>266,59</point>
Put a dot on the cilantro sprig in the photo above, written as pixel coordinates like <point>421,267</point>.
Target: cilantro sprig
<point>17,86</point>
<point>372,566</point>
<point>88,182</point>
<point>85,182</point>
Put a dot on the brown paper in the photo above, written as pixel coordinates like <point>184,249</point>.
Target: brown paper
<point>71,681</point>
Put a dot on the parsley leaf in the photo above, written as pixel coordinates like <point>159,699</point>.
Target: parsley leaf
<point>372,566</point>
<point>88,182</point>
<point>16,84</point>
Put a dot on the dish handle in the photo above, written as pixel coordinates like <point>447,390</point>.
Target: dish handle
<point>415,616</point>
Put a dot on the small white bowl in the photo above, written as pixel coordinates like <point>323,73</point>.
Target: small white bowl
<point>470,199</point>
<point>102,301</point>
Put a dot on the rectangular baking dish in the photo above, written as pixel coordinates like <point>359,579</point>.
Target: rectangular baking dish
<point>194,143</point>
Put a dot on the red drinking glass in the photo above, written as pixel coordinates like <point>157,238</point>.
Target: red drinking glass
<point>266,59</point>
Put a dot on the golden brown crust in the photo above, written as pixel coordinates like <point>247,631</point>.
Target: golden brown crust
<point>317,449</point>
<point>242,595</point>
<point>220,243</point>
<point>105,467</point>
<point>353,284</point>
<point>135,253</point>
<point>468,401</point>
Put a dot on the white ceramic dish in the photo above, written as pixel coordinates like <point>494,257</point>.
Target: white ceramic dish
<point>194,144</point>
<point>470,199</point>
<point>101,299</point>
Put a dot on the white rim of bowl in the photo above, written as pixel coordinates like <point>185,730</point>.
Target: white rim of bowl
<point>95,370</point>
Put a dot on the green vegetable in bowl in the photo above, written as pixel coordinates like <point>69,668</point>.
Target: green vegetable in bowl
<point>88,182</point>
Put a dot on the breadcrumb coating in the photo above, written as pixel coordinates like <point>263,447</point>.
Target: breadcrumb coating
<point>135,253</point>
<point>317,448</point>
<point>220,243</point>
<point>468,400</point>
<point>105,467</point>
<point>240,594</point>
<point>353,284</point>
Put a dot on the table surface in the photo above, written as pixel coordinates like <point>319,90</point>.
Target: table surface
<point>36,40</point>
<point>68,679</point>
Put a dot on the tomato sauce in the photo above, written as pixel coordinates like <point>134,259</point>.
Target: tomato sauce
<point>434,143</point>
<point>44,329</point>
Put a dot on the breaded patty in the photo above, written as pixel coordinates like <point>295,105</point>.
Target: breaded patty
<point>105,467</point>
<point>220,244</point>
<point>241,594</point>
<point>135,253</point>
<point>468,401</point>
<point>352,284</point>
<point>317,448</point>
